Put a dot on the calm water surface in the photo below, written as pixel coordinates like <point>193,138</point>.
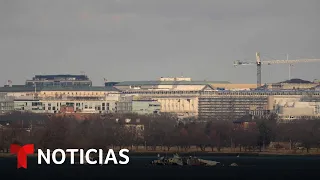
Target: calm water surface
<point>260,167</point>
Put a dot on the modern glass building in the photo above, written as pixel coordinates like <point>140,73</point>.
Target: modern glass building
<point>59,80</point>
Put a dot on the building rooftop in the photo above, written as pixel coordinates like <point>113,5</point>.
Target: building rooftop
<point>297,81</point>
<point>156,83</point>
<point>56,88</point>
<point>62,76</point>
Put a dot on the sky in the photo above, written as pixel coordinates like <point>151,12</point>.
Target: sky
<point>123,40</point>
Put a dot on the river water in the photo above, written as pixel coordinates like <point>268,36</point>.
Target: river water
<point>269,167</point>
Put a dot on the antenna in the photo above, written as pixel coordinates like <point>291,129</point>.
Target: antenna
<point>290,65</point>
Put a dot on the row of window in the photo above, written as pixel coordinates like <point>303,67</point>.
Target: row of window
<point>262,93</point>
<point>298,117</point>
<point>75,93</point>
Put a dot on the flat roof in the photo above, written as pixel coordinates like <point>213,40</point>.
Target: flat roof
<point>56,88</point>
<point>155,83</point>
<point>60,75</point>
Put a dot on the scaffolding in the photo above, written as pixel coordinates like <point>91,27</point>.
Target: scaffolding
<point>231,107</point>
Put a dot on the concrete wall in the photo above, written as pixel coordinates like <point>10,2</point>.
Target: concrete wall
<point>297,111</point>
<point>183,106</point>
<point>282,100</point>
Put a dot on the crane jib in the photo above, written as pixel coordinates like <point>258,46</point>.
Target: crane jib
<point>258,63</point>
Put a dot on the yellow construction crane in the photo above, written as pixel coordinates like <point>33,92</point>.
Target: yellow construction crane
<point>259,63</point>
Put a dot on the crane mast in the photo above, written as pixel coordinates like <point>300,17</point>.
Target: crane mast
<point>259,63</point>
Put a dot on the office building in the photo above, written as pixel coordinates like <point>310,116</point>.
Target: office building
<point>59,80</point>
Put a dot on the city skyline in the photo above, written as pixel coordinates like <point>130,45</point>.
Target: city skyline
<point>144,40</point>
<point>9,82</point>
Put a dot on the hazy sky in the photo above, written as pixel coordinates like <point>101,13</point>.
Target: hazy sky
<point>146,39</point>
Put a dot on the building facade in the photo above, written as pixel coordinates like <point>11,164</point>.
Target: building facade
<point>60,106</point>
<point>296,107</point>
<point>298,110</point>
<point>231,106</point>
<point>6,103</point>
<point>60,91</point>
<point>131,105</point>
<point>181,96</point>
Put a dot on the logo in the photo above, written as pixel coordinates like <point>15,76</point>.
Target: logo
<point>59,156</point>
<point>22,152</point>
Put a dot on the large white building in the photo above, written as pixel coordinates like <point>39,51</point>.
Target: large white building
<point>176,95</point>
<point>298,110</point>
<point>169,84</point>
<point>182,96</point>
<point>296,107</point>
<point>56,106</point>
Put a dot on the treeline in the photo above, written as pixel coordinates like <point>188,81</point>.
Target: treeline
<point>157,131</point>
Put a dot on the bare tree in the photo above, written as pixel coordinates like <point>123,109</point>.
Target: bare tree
<point>111,130</point>
<point>219,134</point>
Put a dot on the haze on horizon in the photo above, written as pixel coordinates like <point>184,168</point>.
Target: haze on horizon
<point>146,39</point>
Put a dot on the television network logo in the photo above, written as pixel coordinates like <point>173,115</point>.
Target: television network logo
<point>22,153</point>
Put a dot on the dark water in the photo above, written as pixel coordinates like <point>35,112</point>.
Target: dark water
<point>282,167</point>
